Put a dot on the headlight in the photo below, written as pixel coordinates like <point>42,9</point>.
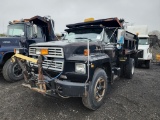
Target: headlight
<point>42,51</point>
<point>38,51</point>
<point>20,50</point>
<point>80,68</point>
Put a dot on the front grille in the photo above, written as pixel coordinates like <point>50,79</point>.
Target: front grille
<point>51,65</point>
<point>52,51</point>
<point>140,54</point>
<point>53,61</point>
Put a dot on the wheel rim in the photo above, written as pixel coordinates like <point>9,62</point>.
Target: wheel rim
<point>99,89</point>
<point>17,71</point>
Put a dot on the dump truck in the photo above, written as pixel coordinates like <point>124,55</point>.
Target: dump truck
<point>90,57</point>
<point>144,46</point>
<point>20,34</point>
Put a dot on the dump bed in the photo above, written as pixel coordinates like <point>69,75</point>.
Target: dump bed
<point>108,22</point>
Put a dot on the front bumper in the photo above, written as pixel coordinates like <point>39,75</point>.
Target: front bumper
<point>59,88</point>
<point>71,89</point>
<point>51,87</point>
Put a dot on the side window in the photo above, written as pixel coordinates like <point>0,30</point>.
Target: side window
<point>111,36</point>
<point>106,38</point>
<point>29,32</point>
<point>39,32</point>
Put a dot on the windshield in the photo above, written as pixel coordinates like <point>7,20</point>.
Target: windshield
<point>143,41</point>
<point>15,30</point>
<point>92,34</point>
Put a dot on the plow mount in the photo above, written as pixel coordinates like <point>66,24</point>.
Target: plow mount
<point>44,83</point>
<point>36,83</point>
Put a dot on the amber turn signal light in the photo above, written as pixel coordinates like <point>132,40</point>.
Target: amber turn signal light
<point>44,51</point>
<point>86,52</point>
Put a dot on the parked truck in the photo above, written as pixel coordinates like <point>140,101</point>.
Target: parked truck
<point>89,58</point>
<point>20,34</point>
<point>144,46</point>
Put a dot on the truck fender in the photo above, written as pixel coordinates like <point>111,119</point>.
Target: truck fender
<point>7,55</point>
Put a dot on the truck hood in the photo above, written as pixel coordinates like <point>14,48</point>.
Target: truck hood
<point>62,43</point>
<point>69,48</point>
<point>9,41</point>
<point>52,43</point>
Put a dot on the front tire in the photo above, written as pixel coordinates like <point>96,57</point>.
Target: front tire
<point>12,71</point>
<point>97,90</point>
<point>148,64</point>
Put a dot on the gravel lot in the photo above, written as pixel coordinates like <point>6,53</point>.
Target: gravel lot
<point>135,99</point>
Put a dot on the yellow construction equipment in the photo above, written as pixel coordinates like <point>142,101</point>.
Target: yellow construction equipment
<point>157,57</point>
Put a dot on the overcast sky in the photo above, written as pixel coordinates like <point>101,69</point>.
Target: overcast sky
<point>137,12</point>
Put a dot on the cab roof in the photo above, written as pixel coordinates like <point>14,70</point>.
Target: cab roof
<point>108,22</point>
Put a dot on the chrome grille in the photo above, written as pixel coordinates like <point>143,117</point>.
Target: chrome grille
<point>51,65</point>
<point>52,51</point>
<point>53,61</point>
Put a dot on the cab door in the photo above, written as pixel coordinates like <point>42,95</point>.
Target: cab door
<point>35,34</point>
<point>110,47</point>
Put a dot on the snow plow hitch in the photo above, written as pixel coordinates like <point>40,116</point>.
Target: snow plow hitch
<point>33,82</point>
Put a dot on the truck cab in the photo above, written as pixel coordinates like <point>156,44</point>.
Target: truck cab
<point>17,31</point>
<point>20,34</point>
<point>144,45</point>
<point>90,57</point>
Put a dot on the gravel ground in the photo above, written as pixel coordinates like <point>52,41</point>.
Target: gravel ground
<point>135,99</point>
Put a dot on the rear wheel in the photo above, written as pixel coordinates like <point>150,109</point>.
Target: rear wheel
<point>97,90</point>
<point>12,71</point>
<point>129,71</point>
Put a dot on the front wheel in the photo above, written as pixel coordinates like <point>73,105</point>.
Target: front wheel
<point>148,64</point>
<point>12,71</point>
<point>97,90</point>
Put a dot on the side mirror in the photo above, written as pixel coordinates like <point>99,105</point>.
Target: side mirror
<point>34,35</point>
<point>120,40</point>
<point>23,39</point>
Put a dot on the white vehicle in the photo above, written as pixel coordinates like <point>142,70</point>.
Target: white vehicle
<point>145,54</point>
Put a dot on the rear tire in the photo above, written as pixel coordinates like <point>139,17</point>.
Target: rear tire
<point>97,90</point>
<point>12,71</point>
<point>129,71</point>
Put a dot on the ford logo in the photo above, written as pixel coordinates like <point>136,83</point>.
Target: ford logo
<point>6,42</point>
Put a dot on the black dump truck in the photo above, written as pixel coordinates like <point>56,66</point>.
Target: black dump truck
<point>20,34</point>
<point>89,58</point>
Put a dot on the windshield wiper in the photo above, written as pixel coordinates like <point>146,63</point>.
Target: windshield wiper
<point>83,38</point>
